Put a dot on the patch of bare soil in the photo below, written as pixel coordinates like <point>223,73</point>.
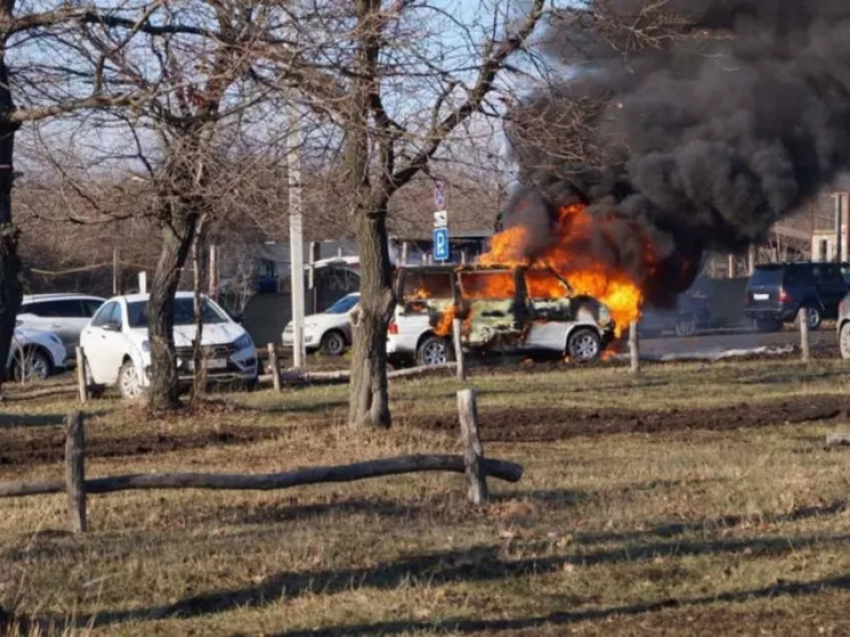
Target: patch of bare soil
<point>550,424</point>
<point>46,445</point>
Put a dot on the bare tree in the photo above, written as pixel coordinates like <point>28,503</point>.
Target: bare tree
<point>398,87</point>
<point>40,65</point>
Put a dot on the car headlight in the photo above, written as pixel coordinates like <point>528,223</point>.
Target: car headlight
<point>146,347</point>
<point>243,342</point>
<point>604,314</point>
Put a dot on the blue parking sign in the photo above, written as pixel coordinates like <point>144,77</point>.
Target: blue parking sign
<point>441,244</point>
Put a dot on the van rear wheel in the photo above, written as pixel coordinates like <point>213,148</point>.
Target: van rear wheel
<point>584,345</point>
<point>434,351</point>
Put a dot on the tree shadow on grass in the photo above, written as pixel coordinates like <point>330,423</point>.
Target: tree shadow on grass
<point>276,513</point>
<point>475,564</point>
<point>714,524</point>
<point>11,421</point>
<point>469,625</point>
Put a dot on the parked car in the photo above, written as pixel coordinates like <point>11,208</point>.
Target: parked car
<point>118,350</point>
<point>842,325</point>
<point>503,310</point>
<point>35,355</point>
<point>776,292</point>
<point>328,331</point>
<point>66,315</point>
<point>691,313</point>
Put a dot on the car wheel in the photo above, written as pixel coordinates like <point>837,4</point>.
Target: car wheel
<point>686,325</point>
<point>31,365</point>
<point>129,383</point>
<point>333,343</point>
<point>813,317</point>
<point>768,325</point>
<point>844,340</point>
<point>584,345</point>
<point>434,351</point>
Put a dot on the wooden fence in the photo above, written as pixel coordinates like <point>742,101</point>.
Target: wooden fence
<point>472,463</point>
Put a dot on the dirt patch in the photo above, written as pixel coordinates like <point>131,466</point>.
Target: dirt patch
<point>46,445</point>
<point>549,424</point>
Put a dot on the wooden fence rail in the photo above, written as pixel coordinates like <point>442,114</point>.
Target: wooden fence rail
<point>472,463</point>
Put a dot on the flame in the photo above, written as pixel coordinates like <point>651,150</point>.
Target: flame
<point>492,286</point>
<point>444,325</point>
<point>571,258</point>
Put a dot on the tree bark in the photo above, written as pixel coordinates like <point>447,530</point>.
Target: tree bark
<point>368,394</point>
<point>10,264</point>
<point>199,373</point>
<point>177,238</point>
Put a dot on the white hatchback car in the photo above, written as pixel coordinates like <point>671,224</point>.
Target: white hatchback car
<point>328,331</point>
<point>117,348</point>
<point>35,355</point>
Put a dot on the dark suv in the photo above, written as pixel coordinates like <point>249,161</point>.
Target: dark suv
<point>776,292</point>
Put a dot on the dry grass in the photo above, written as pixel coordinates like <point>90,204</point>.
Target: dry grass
<point>685,532</point>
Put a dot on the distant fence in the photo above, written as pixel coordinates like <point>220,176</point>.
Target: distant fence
<point>472,463</point>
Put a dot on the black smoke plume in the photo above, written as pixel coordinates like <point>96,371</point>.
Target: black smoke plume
<point>700,122</point>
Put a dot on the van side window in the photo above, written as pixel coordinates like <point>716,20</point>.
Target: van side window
<point>419,286</point>
<point>500,285</point>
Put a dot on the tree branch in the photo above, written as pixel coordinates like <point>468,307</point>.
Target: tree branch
<point>494,61</point>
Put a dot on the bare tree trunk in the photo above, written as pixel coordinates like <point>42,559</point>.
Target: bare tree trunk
<point>176,241</point>
<point>10,264</point>
<point>199,374</point>
<point>368,395</point>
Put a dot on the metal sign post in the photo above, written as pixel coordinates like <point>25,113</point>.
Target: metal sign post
<point>441,223</point>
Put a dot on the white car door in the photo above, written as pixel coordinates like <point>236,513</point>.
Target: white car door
<point>105,344</point>
<point>550,309</point>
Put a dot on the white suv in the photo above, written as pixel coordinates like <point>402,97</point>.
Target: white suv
<point>35,355</point>
<point>117,348</point>
<point>503,310</point>
<point>66,315</point>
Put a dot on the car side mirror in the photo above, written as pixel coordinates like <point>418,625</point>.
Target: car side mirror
<point>238,318</point>
<point>111,327</point>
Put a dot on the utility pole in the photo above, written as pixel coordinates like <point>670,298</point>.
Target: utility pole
<point>116,272</point>
<point>839,233</point>
<point>296,237</point>
<point>213,282</point>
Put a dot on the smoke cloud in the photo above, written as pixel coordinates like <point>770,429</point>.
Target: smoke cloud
<point>700,123</point>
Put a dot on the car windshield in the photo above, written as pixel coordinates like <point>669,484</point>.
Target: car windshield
<point>343,305</point>
<point>184,312</point>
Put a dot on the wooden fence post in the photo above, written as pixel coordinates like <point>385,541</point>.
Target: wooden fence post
<point>634,347</point>
<point>82,383</point>
<point>461,366</point>
<point>802,317</point>
<point>472,452</point>
<point>75,473</point>
<point>275,366</point>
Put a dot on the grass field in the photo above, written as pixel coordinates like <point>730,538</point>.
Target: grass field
<point>697,499</point>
